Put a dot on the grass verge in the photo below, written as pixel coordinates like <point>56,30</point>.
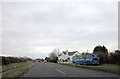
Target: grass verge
<point>19,70</point>
<point>104,67</point>
<point>12,66</point>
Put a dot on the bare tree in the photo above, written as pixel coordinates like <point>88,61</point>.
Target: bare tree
<point>54,55</point>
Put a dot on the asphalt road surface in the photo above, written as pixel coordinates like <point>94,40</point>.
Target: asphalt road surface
<point>57,70</point>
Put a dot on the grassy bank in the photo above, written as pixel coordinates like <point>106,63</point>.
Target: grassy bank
<point>104,67</point>
<point>17,69</point>
<point>13,66</point>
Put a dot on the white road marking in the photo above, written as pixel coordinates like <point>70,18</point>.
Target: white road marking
<point>49,66</point>
<point>56,69</point>
<point>61,71</point>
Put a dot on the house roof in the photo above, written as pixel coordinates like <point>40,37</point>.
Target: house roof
<point>71,53</point>
<point>60,54</point>
<point>64,52</point>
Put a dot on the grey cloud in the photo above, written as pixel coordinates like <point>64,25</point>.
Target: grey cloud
<point>39,27</point>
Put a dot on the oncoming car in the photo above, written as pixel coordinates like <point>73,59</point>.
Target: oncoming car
<point>45,61</point>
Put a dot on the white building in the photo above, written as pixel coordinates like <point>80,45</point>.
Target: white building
<point>67,57</point>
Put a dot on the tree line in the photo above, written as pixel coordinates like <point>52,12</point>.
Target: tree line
<point>9,60</point>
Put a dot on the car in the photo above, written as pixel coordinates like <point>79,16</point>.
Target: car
<point>45,61</point>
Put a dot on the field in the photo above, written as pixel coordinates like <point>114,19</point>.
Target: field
<point>16,69</point>
<point>104,67</point>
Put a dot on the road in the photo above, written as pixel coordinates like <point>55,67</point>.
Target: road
<point>57,70</point>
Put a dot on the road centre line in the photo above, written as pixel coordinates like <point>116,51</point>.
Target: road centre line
<point>49,66</point>
<point>60,71</point>
<point>56,69</point>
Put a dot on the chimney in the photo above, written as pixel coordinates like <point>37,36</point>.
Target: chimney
<point>67,52</point>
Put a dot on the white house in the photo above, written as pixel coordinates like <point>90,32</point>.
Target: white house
<point>66,56</point>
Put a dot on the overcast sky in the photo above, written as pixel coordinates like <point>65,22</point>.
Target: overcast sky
<point>35,29</point>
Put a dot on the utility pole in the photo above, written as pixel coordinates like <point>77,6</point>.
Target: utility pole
<point>87,51</point>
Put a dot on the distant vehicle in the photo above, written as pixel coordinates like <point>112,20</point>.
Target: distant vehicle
<point>45,61</point>
<point>92,59</point>
<point>39,60</point>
